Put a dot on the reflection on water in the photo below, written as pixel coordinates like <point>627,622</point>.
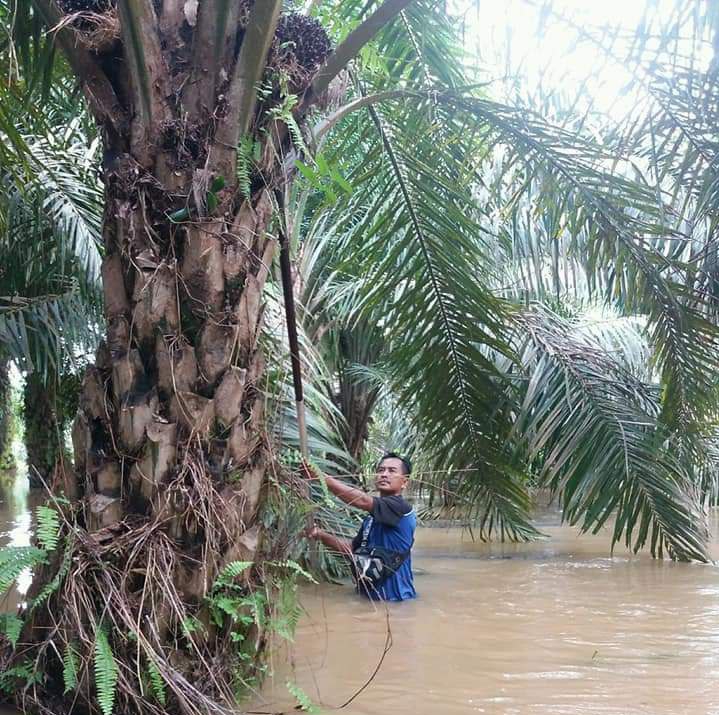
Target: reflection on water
<point>16,502</point>
<point>557,627</point>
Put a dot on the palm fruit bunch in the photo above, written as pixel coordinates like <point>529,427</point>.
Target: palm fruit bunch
<point>300,47</point>
<point>98,6</point>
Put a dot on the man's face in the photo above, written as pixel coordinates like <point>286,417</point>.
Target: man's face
<point>391,478</point>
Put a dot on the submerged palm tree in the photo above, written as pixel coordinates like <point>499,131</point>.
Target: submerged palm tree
<point>172,564</point>
<point>50,272</point>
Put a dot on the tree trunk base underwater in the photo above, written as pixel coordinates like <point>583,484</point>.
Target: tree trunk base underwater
<point>128,619</point>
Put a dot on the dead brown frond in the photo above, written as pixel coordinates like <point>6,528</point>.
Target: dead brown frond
<point>97,31</point>
<point>127,582</point>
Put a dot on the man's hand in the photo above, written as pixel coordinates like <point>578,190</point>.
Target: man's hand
<point>313,532</point>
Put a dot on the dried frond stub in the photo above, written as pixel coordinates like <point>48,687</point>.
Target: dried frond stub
<point>97,31</point>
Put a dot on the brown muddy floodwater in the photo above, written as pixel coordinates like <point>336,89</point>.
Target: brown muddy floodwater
<point>552,628</point>
<point>558,627</point>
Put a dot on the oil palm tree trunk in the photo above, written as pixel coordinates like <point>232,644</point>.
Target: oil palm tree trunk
<point>171,453</point>
<point>7,459</point>
<point>43,429</point>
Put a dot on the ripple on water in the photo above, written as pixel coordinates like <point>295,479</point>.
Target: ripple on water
<point>569,629</point>
<point>546,675</point>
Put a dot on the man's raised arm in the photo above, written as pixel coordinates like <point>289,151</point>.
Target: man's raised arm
<point>349,495</point>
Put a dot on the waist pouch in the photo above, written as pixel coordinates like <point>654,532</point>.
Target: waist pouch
<point>373,565</point>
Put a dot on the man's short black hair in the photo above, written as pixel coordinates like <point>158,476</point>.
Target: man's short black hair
<point>393,455</point>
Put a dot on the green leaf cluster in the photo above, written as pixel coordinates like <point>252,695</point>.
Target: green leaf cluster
<point>11,626</point>
<point>304,702</point>
<point>14,560</point>
<point>70,668</point>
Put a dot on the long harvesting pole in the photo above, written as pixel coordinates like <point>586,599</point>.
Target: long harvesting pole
<point>290,315</point>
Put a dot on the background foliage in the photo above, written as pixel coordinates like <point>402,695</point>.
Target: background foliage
<point>521,294</point>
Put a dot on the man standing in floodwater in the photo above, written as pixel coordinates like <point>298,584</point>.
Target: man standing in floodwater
<point>380,552</point>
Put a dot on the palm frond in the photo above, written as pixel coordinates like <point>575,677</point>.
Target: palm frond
<point>404,192</point>
<point>49,242</point>
<point>620,218</point>
<point>40,332</point>
<point>595,433</point>
<point>66,182</point>
<point>408,251</point>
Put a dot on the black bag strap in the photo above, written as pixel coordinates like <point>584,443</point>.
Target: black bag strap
<point>381,563</point>
<point>366,528</point>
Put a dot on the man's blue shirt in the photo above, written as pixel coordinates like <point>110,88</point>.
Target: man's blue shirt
<point>393,525</point>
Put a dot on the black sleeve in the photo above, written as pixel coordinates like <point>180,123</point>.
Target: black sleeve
<point>389,510</point>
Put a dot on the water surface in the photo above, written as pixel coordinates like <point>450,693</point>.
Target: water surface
<point>557,627</point>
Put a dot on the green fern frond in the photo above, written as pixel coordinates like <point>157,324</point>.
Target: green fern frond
<point>54,584</point>
<point>245,153</point>
<point>105,673</point>
<point>14,560</point>
<point>11,625</point>
<point>231,572</point>
<point>48,527</point>
<point>296,568</point>
<point>295,133</point>
<point>257,602</point>
<point>303,700</point>
<point>69,668</point>
<point>157,682</point>
<point>288,611</point>
<point>284,114</point>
